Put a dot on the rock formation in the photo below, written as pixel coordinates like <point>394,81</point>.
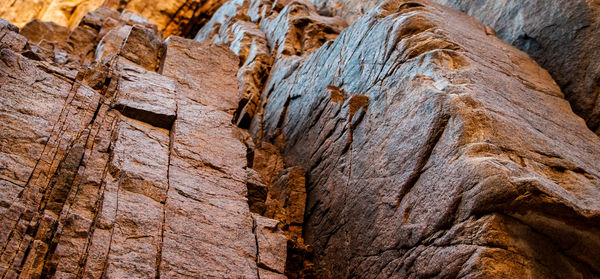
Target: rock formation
<point>290,139</point>
<point>111,169</point>
<point>562,36</point>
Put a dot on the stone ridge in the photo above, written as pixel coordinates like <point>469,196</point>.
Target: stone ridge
<point>565,41</point>
<point>563,36</point>
<point>119,158</point>
<point>463,159</point>
<point>282,142</point>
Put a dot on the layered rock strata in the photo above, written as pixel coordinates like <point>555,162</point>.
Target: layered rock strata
<point>282,142</point>
<point>121,161</point>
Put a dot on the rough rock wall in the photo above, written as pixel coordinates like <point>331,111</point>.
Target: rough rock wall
<point>174,17</point>
<point>125,163</point>
<point>562,36</point>
<point>432,148</point>
<point>410,144</point>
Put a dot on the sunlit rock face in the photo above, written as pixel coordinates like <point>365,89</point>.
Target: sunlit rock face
<point>293,139</point>
<point>562,36</point>
<point>174,17</point>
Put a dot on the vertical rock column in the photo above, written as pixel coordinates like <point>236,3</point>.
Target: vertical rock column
<point>116,171</point>
<point>208,227</point>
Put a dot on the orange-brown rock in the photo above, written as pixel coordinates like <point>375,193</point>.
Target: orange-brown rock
<point>174,17</point>
<point>110,169</point>
<point>283,143</point>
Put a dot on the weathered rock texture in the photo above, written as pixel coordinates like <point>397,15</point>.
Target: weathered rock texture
<point>435,149</point>
<point>119,158</point>
<point>175,17</point>
<point>282,142</point>
<point>261,31</point>
<point>562,36</point>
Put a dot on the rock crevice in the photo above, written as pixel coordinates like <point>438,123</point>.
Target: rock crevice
<point>282,142</point>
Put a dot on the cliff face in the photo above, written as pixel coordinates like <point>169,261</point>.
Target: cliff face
<point>562,36</point>
<point>110,169</point>
<point>400,141</point>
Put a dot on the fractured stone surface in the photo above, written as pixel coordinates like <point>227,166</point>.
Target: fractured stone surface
<point>111,170</point>
<point>411,144</point>
<point>462,134</point>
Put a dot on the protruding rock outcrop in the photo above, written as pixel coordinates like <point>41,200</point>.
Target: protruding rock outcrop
<point>283,143</point>
<point>260,32</point>
<point>466,161</point>
<point>120,160</point>
<point>562,36</point>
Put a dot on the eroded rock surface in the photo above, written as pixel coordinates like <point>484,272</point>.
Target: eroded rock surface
<point>261,31</point>
<point>565,41</point>
<point>435,149</point>
<point>562,36</point>
<point>283,143</point>
<point>114,167</point>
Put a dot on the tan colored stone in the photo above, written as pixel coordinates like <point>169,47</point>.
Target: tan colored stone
<point>272,244</point>
<point>144,95</point>
<point>206,73</point>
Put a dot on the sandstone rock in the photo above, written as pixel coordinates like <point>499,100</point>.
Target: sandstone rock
<point>229,26</point>
<point>299,29</point>
<point>132,37</point>
<point>96,18</point>
<point>41,159</point>
<point>143,47</point>
<point>286,200</point>
<point>28,125</point>
<point>271,244</point>
<point>459,127</point>
<point>193,64</point>
<point>294,29</point>
<point>82,43</point>
<point>206,207</point>
<point>139,163</point>
<point>37,30</point>
<point>267,161</point>
<point>110,45</point>
<point>263,273</point>
<point>121,190</point>
<point>145,95</point>
<point>412,144</point>
<point>257,192</point>
<point>9,37</point>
